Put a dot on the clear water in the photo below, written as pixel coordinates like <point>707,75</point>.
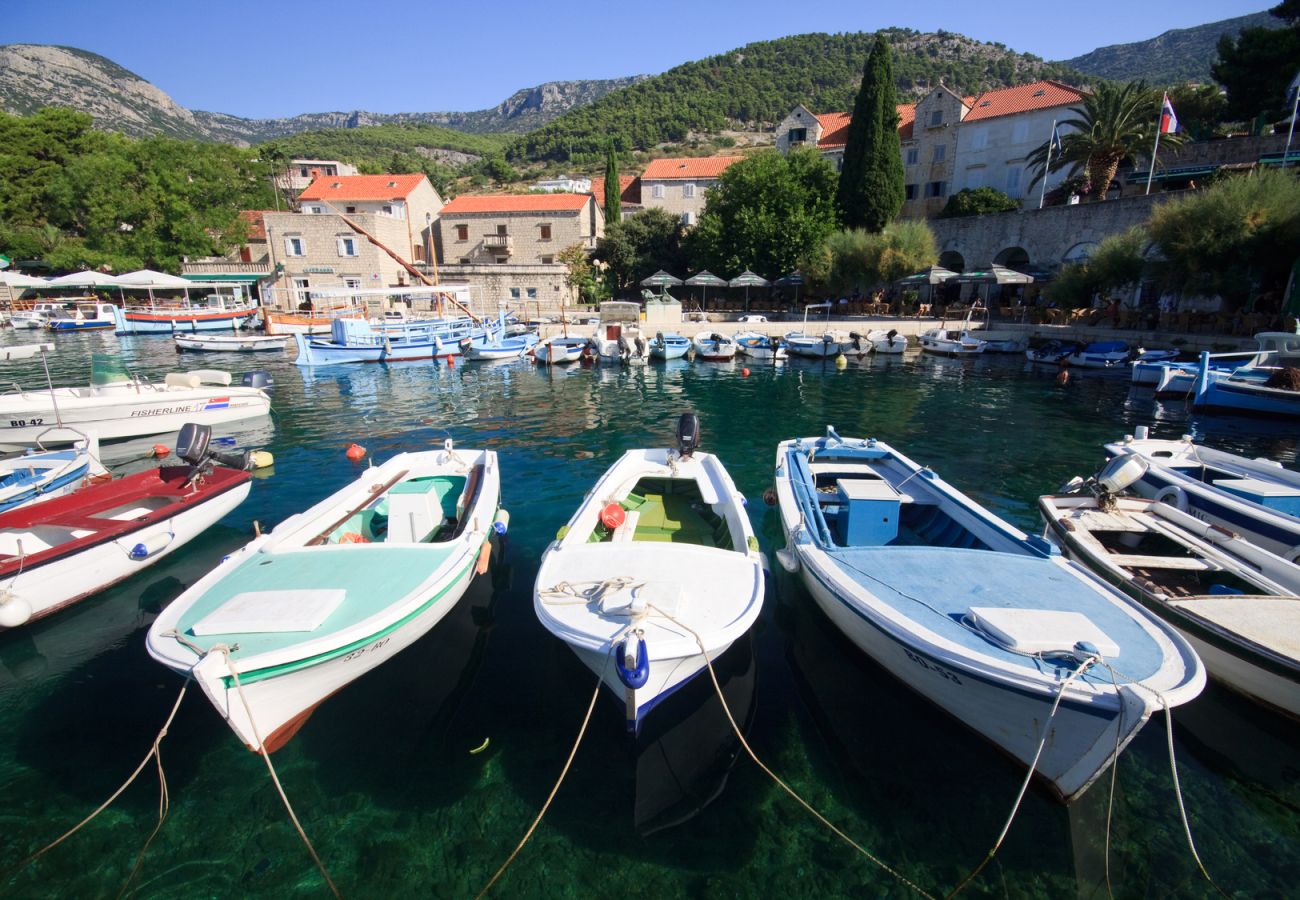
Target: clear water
<point>382,775</point>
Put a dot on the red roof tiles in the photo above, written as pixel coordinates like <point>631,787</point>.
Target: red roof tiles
<point>835,126</point>
<point>256,223</point>
<point>688,168</point>
<point>509,203</point>
<point>629,189</point>
<point>1022,98</point>
<point>361,187</point>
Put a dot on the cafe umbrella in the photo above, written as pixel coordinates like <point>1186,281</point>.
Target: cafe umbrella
<point>705,279</point>
<point>747,280</point>
<point>794,280</point>
<point>661,280</point>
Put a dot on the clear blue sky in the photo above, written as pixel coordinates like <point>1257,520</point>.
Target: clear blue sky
<point>274,58</point>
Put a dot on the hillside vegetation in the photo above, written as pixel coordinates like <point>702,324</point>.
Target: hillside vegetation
<point>758,84</point>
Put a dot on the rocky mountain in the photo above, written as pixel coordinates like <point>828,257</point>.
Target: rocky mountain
<point>1183,54</point>
<point>36,75</point>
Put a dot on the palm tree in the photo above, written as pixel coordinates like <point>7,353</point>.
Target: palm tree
<point>1115,123</point>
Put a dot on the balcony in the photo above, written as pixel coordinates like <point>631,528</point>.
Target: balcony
<point>499,243</point>
<point>226,267</point>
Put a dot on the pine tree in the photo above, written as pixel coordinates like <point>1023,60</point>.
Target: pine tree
<point>870,192</point>
<point>613,194</point>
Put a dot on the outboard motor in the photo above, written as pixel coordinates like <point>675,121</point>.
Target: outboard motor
<point>259,379</point>
<point>688,434</point>
<point>192,442</point>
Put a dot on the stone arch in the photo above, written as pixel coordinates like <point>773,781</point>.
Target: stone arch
<point>1012,258</point>
<point>952,261</point>
<point>1079,252</point>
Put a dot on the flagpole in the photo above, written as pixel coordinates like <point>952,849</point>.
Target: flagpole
<point>1042,195</point>
<point>1156,148</point>
<point>1295,106</point>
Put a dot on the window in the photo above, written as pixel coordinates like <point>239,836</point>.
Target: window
<point>548,260</point>
<point>531,293</point>
<point>349,209</point>
<point>314,210</point>
<point>293,246</point>
<point>797,135</point>
<point>347,246</point>
<point>302,172</point>
<point>979,139</point>
<point>1020,133</point>
<point>936,189</point>
<point>1013,181</point>
<point>657,191</point>
<point>464,260</point>
<point>388,209</point>
<point>546,233</point>
<point>462,232</point>
<point>502,260</point>
<point>514,293</point>
<point>909,192</point>
<point>940,152</point>
<point>352,283</point>
<point>501,230</point>
<point>688,190</point>
<point>936,118</point>
<point>417,253</point>
<point>911,156</point>
<point>686,218</point>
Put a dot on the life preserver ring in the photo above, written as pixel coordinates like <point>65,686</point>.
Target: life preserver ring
<point>1174,496</point>
<point>1292,555</point>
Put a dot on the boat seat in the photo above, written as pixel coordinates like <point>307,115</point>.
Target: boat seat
<point>182,380</point>
<point>1131,561</point>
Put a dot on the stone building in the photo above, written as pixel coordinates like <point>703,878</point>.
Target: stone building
<point>250,262</point>
<point>679,185</point>
<point>629,193</point>
<point>300,173</point>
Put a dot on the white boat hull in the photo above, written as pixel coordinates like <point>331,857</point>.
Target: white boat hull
<point>50,587</point>
<point>665,678</point>
<point>230,344</point>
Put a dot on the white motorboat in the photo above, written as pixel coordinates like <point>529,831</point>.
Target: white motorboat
<point>656,572</point>
<point>85,316</point>
<point>117,405</point>
<point>54,554</point>
<point>1237,604</point>
<point>558,350</point>
<point>714,346</point>
<point>39,314</point>
<point>816,346</point>
<point>1257,498</point>
<point>985,621</point>
<point>333,592</point>
<point>41,474</point>
<point>890,341</point>
<point>951,342</point>
<point>760,346</point>
<point>230,343</point>
<point>1100,355</point>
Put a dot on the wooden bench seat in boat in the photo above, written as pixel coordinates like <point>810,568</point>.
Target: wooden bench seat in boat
<point>1134,561</point>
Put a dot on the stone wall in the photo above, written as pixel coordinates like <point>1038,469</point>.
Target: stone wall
<point>523,289</point>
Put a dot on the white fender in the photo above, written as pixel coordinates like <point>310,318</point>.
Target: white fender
<point>14,610</point>
<point>1174,496</point>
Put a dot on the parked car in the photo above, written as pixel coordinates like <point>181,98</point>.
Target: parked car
<point>753,318</point>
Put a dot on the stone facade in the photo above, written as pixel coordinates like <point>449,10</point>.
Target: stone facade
<point>526,290</point>
<point>993,152</point>
<point>529,237</point>
<point>678,186</point>
<point>929,158</point>
<point>321,251</point>
<point>302,172</point>
<point>799,129</point>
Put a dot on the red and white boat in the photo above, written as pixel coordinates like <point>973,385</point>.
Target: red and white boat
<point>283,321</point>
<point>64,550</point>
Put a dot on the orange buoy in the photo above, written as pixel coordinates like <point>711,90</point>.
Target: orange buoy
<point>451,362</point>
<point>484,557</point>
<point>744,372</point>
<point>352,537</point>
<point>161,450</point>
<point>613,515</point>
<point>356,452</point>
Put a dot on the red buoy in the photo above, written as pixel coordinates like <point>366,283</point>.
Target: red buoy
<point>613,515</point>
<point>161,450</point>
<point>744,372</point>
<point>356,452</point>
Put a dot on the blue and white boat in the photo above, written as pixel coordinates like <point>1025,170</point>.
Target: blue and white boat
<point>1148,365</point>
<point>1100,355</point>
<point>45,474</point>
<point>668,346</point>
<point>1244,391</point>
<point>990,624</point>
<point>760,346</point>
<point>816,346</point>
<point>1257,498</point>
<point>1051,353</point>
<point>559,350</point>
<point>84,317</point>
<point>366,340</point>
<point>492,343</point>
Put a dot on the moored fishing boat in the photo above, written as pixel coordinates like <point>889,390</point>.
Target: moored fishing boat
<point>950,342</point>
<point>41,474</point>
<point>495,344</point>
<point>37,315</point>
<point>1051,352</point>
<point>1257,498</point>
<point>887,341</point>
<point>307,321</point>
<point>1100,355</point>
<point>363,340</point>
<point>983,620</point>
<point>82,317</point>
<point>714,346</point>
<point>657,572</point>
<point>117,405</point>
<point>334,591</point>
<point>816,346</point>
<point>1148,365</point>
<point>54,554</point>
<point>214,312</point>
<point>668,346</point>
<point>1236,603</point>
<point>759,346</point>
<point>559,350</point>
<point>230,343</point>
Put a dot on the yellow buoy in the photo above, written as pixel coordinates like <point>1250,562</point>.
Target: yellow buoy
<point>841,362</point>
<point>481,747</point>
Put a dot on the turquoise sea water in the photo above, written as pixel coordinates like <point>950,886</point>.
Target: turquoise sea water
<point>382,777</point>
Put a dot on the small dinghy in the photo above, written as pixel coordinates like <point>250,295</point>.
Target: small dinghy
<point>890,341</point>
<point>497,345</point>
<point>1050,353</point>
<point>990,624</point>
<point>230,343</point>
<point>656,569</point>
<point>759,346</point>
<point>1256,497</point>
<point>1237,604</point>
<point>54,554</point>
<point>669,346</point>
<point>1100,355</point>
<point>45,474</point>
<point>334,591</point>
<point>714,346</point>
<point>950,342</point>
<point>558,350</point>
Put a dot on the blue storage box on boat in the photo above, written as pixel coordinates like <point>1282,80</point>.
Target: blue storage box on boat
<point>1266,493</point>
<point>869,511</point>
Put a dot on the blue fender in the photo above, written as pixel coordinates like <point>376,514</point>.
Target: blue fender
<point>637,677</point>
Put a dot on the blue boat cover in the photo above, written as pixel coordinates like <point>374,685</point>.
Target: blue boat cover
<point>1106,347</point>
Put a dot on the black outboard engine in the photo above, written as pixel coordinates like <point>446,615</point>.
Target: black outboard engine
<point>259,379</point>
<point>192,446</point>
<point>688,434</point>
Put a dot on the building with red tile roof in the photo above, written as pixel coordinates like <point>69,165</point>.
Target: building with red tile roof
<point>693,168</point>
<point>516,229</point>
<point>1021,99</point>
<point>515,203</point>
<point>679,185</point>
<point>629,192</point>
<point>352,188</point>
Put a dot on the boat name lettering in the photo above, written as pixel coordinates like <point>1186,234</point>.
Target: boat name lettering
<point>165,410</point>
<point>926,664</point>
<point>23,423</point>
<point>356,653</point>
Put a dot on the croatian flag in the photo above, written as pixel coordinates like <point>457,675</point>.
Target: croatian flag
<point>218,403</point>
<point>1168,121</point>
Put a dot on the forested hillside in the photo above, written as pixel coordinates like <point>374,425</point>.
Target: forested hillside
<point>759,83</point>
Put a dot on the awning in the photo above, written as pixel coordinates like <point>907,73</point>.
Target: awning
<point>1176,174</point>
<point>218,277</point>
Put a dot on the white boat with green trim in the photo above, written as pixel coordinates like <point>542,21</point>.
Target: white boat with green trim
<point>333,592</point>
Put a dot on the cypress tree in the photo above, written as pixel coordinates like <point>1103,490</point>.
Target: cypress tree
<point>870,191</point>
<point>613,196</point>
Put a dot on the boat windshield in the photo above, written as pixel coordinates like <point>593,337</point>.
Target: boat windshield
<point>107,369</point>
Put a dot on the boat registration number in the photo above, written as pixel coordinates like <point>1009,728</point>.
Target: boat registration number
<point>363,650</point>
<point>24,423</point>
<point>936,669</point>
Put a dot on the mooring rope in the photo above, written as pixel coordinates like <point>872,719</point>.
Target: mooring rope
<point>261,748</point>
<point>554,790</point>
<point>164,800</point>
<point>776,778</point>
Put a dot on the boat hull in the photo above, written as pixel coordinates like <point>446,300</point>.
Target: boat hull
<point>326,353</point>
<point>287,323</point>
<point>230,344</point>
<point>156,322</point>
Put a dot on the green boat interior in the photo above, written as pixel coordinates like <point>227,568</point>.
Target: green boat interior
<point>425,509</point>
<point>669,510</point>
